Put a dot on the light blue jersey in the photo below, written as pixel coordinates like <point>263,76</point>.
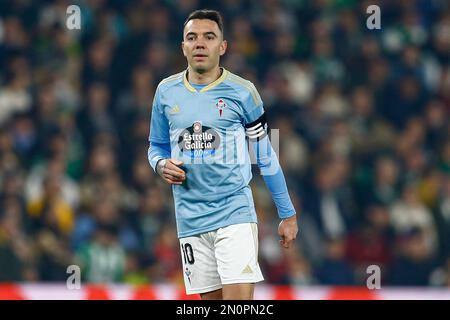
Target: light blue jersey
<point>206,128</point>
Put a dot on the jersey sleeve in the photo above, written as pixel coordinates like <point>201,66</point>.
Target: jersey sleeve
<point>156,152</point>
<point>159,125</point>
<point>254,117</point>
<point>273,176</point>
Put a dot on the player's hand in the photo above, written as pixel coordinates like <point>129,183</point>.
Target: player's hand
<point>287,230</point>
<point>169,170</point>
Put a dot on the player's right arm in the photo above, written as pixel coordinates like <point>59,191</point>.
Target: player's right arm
<point>159,148</point>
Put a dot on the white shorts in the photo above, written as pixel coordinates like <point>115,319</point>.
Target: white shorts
<point>225,256</point>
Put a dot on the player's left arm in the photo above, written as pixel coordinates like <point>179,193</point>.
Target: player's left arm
<point>256,128</point>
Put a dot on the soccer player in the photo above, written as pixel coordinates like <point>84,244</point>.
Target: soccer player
<point>199,123</point>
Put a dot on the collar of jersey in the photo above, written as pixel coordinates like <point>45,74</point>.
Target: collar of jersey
<point>209,86</point>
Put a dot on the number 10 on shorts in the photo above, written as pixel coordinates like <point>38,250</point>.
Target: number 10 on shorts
<point>188,253</point>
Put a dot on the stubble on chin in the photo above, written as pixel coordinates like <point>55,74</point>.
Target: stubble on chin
<point>200,70</point>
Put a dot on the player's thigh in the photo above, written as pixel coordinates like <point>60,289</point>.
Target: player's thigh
<point>212,295</point>
<point>238,291</point>
<point>199,265</point>
<point>236,252</point>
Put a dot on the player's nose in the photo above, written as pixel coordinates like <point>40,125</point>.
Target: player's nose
<point>200,45</point>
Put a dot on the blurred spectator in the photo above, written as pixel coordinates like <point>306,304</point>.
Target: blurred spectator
<point>54,168</point>
<point>410,214</point>
<point>16,250</point>
<point>133,272</point>
<point>369,131</point>
<point>102,260</point>
<point>104,212</point>
<point>51,207</point>
<point>385,186</point>
<point>14,98</point>
<point>151,216</point>
<point>414,262</point>
<point>370,244</point>
<point>292,148</point>
<point>54,254</point>
<point>300,270</point>
<point>166,250</point>
<point>326,204</point>
<point>95,118</point>
<point>334,270</point>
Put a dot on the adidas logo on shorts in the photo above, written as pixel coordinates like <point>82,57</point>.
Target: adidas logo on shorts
<point>247,269</point>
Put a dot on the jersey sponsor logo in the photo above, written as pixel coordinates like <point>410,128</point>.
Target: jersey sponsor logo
<point>198,141</point>
<point>220,105</point>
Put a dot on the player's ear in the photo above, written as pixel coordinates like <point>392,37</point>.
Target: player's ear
<point>223,47</point>
<point>182,48</point>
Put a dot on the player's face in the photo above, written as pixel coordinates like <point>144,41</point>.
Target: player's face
<point>203,44</point>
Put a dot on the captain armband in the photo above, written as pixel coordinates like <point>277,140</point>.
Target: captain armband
<point>257,129</point>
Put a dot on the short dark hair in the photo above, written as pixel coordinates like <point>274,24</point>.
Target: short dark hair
<point>206,14</point>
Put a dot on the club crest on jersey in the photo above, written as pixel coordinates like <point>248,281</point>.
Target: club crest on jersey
<point>197,127</point>
<point>220,105</point>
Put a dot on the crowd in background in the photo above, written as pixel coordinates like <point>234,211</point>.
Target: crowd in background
<point>364,120</point>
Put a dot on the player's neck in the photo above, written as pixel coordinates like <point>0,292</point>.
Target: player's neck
<point>204,78</point>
